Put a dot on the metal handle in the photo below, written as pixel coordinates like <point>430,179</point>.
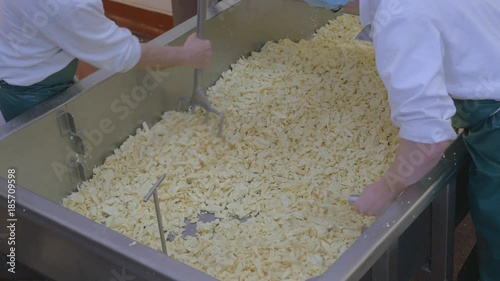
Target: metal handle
<point>153,189</point>
<point>154,192</point>
<point>200,33</point>
<point>202,17</point>
<point>352,199</point>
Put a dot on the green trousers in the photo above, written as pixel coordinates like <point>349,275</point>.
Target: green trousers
<point>482,139</point>
<point>15,100</point>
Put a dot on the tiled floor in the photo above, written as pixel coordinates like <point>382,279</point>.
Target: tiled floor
<point>464,242</point>
<point>465,239</point>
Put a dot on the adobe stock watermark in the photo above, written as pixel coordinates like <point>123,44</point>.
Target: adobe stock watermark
<point>122,107</point>
<point>416,161</point>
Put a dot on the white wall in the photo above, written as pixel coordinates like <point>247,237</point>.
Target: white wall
<point>161,6</point>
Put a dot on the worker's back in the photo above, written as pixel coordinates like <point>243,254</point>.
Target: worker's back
<point>470,38</point>
<point>41,37</point>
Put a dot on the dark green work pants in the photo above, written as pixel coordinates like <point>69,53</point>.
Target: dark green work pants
<point>14,100</point>
<point>482,138</point>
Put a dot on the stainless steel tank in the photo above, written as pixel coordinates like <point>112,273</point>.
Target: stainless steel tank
<point>55,146</point>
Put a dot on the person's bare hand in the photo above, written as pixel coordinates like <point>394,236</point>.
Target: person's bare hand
<point>198,52</point>
<point>375,199</point>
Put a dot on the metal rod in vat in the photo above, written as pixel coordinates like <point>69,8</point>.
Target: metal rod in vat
<point>154,192</point>
<point>352,199</point>
<point>199,95</point>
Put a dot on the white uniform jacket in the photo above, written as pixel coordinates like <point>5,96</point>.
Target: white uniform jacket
<point>427,53</point>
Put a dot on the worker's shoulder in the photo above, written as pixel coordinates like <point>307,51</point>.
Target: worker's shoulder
<point>442,10</point>
<point>411,7</point>
<point>38,8</point>
<point>71,5</point>
<point>429,9</point>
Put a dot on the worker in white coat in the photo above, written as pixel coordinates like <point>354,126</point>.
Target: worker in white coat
<point>41,41</point>
<point>440,63</point>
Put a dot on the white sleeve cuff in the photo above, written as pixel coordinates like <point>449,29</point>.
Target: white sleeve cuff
<point>427,131</point>
<point>133,56</point>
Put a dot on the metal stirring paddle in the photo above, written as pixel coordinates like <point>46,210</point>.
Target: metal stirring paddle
<point>158,212</point>
<point>199,96</point>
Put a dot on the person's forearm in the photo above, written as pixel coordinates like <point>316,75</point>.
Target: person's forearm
<point>161,56</point>
<point>413,161</point>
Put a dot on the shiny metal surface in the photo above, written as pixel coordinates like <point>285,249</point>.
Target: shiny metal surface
<point>154,192</point>
<point>352,199</point>
<point>387,266</point>
<point>201,18</point>
<point>199,95</point>
<point>107,108</point>
<point>443,226</point>
<point>33,144</point>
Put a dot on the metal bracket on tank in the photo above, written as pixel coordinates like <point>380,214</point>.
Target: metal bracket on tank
<point>76,171</point>
<point>67,127</point>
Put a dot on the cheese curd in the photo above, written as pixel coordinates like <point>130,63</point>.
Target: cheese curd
<point>307,124</point>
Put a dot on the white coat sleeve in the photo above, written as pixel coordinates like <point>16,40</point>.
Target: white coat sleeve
<point>87,34</point>
<point>409,55</point>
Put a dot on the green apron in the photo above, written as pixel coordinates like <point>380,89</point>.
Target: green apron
<point>14,100</point>
<point>482,139</point>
